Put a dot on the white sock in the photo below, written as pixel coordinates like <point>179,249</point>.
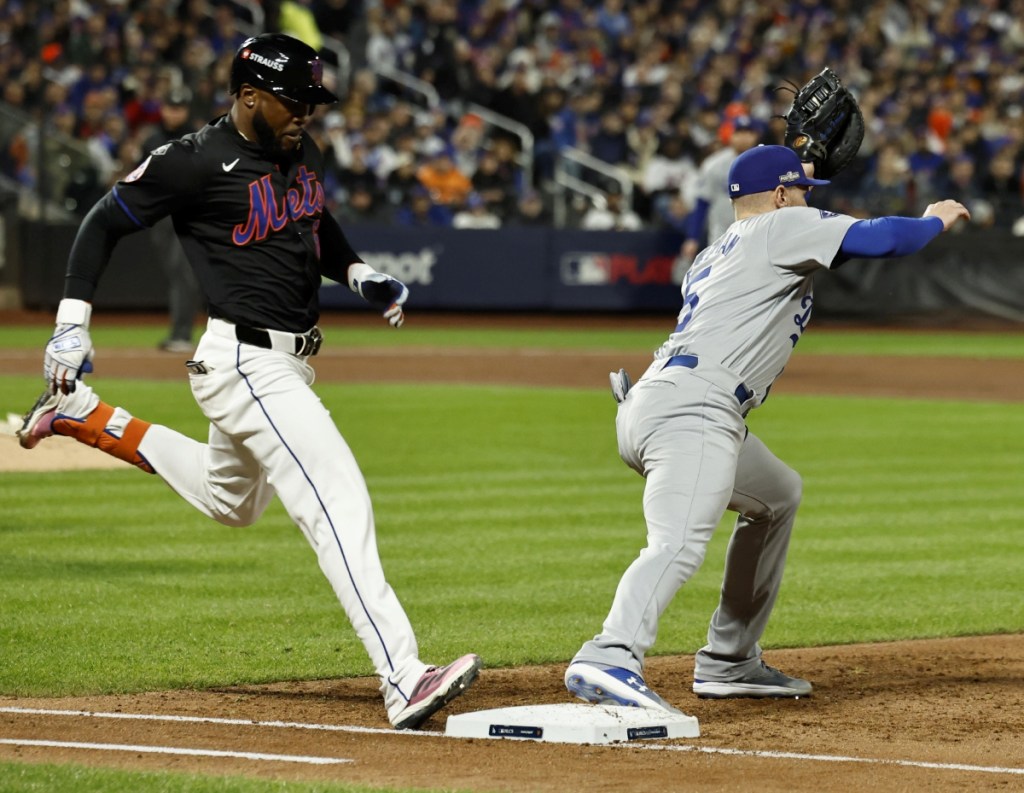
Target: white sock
<point>79,403</point>
<point>118,421</point>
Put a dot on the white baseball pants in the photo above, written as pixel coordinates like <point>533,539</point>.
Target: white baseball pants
<point>269,433</point>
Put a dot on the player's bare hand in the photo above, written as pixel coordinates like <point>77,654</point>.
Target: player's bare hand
<point>689,250</point>
<point>948,211</point>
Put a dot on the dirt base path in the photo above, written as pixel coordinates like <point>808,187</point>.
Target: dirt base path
<point>943,715</point>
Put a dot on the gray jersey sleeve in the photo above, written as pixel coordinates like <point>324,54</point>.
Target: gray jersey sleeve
<point>803,239</point>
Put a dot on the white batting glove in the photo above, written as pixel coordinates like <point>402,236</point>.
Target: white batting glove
<point>68,353</point>
<point>384,293</point>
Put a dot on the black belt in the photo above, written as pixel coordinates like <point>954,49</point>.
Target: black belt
<point>690,362</point>
<point>305,343</point>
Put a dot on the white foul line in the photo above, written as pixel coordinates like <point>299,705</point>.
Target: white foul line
<point>832,758</point>
<point>122,747</point>
<point>292,725</point>
<point>824,758</point>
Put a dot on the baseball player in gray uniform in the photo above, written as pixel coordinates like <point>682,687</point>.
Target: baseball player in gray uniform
<point>712,212</point>
<point>746,302</point>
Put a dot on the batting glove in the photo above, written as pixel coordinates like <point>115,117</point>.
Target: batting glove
<point>384,293</point>
<point>69,351</point>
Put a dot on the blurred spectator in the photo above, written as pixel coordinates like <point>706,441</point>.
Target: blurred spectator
<point>506,149</point>
<point>337,17</point>
<point>446,183</point>
<point>422,211</point>
<point>358,174</point>
<point>673,213</point>
<point>712,212</point>
<point>671,172</point>
<point>476,215</point>
<point>175,119</point>
<point>402,122</point>
<point>609,212</point>
<point>363,205</point>
<point>466,140</point>
<point>433,51</point>
<point>887,188</point>
<point>518,99</point>
<point>531,211</point>
<point>430,133</point>
<point>296,18</point>
<point>494,181</point>
<point>385,45</point>
<point>402,180</point>
<point>380,156</point>
<point>1002,187</point>
<point>610,143</point>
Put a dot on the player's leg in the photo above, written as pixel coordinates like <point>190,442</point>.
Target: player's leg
<point>83,416</point>
<point>313,471</point>
<point>685,437</point>
<point>766,496</point>
<point>220,479</point>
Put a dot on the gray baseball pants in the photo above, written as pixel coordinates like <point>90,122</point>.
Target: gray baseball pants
<point>684,431</point>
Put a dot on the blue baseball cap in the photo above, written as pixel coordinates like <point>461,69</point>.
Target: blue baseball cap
<point>764,168</point>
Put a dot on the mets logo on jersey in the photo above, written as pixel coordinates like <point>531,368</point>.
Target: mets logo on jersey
<point>266,215</point>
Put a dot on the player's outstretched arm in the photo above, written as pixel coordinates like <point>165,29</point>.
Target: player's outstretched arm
<point>339,262</point>
<point>384,293</point>
<point>948,211</point>
<point>893,236</point>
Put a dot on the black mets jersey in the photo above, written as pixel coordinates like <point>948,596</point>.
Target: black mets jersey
<point>251,227</point>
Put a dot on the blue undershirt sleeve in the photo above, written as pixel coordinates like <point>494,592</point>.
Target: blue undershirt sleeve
<point>889,236</point>
<point>695,220</point>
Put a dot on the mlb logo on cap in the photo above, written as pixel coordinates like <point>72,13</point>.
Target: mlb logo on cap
<point>764,168</point>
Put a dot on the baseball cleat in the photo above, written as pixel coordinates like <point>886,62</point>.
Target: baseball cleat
<point>435,689</point>
<point>600,684</point>
<point>766,681</point>
<point>38,422</point>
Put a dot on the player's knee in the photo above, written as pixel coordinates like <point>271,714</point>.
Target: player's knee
<point>232,512</point>
<point>790,491</point>
<point>780,501</point>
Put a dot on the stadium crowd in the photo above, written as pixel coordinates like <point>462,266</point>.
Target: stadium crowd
<point>651,87</point>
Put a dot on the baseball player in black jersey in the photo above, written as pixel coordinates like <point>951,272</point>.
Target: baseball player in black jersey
<point>246,197</point>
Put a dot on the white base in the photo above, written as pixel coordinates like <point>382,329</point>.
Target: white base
<point>572,724</point>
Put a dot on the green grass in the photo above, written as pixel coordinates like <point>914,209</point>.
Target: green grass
<point>110,583</point>
<point>628,336</point>
<point>28,778</point>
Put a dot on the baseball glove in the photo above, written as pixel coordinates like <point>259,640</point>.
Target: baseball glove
<point>824,124</point>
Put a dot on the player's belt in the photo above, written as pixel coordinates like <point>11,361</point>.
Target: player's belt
<point>742,393</point>
<point>296,343</point>
<point>282,341</point>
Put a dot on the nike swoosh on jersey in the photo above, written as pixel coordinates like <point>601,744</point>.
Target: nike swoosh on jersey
<point>227,166</point>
